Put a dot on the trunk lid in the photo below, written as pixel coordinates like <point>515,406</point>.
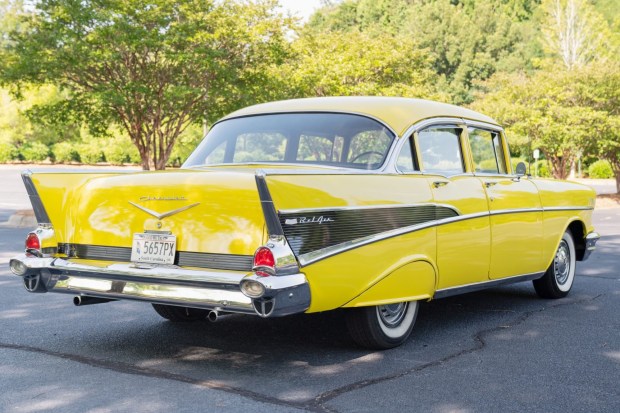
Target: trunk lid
<point>215,212</point>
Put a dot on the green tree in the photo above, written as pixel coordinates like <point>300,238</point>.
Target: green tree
<point>545,111</point>
<point>575,33</point>
<point>600,90</point>
<point>467,41</point>
<point>150,66</point>
<point>356,63</point>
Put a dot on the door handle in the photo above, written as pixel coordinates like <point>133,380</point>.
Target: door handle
<point>490,184</point>
<point>437,184</point>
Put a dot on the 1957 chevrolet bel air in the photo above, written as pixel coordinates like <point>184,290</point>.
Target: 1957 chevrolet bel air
<point>365,203</point>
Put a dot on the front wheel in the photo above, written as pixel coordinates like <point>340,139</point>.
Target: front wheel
<point>558,280</point>
<point>383,326</point>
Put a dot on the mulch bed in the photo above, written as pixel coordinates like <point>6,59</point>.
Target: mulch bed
<point>608,201</point>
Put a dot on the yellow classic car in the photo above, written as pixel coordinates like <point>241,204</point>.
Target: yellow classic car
<point>371,204</point>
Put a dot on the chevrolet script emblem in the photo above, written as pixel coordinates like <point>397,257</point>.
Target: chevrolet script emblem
<point>164,214</point>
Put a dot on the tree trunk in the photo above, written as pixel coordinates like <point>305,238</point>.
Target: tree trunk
<point>618,181</point>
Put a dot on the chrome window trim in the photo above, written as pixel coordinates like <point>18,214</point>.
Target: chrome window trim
<point>456,125</point>
<point>494,128</point>
<point>483,125</point>
<point>400,141</point>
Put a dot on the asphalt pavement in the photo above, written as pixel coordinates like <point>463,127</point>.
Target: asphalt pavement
<point>502,349</point>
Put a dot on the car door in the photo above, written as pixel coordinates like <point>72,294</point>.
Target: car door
<point>463,240</point>
<point>514,206</point>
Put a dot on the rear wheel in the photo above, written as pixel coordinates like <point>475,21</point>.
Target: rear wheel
<point>180,314</point>
<point>558,280</point>
<point>382,326</point>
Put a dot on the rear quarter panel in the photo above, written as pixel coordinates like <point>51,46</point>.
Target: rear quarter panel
<point>400,267</point>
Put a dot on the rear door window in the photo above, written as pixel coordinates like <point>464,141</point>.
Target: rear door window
<point>440,150</point>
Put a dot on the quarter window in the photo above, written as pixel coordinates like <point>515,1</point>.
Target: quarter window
<point>487,151</point>
<point>405,162</point>
<point>440,149</point>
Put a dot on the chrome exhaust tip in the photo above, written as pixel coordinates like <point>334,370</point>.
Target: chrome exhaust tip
<point>80,300</point>
<point>213,316</point>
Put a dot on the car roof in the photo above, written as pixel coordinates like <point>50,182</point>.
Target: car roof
<point>396,112</point>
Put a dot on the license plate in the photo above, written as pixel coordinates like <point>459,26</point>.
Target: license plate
<point>153,248</point>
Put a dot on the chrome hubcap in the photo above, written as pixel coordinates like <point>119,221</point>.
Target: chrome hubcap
<point>392,315</point>
<point>561,263</point>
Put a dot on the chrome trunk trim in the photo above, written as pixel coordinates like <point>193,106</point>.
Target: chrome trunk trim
<point>183,258</point>
<point>39,210</point>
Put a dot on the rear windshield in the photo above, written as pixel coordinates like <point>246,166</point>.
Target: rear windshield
<point>342,140</point>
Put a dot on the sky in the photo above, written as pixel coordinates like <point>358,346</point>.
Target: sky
<point>301,8</point>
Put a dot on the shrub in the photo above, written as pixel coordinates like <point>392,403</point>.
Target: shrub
<point>120,150</point>
<point>8,152</point>
<point>90,153</point>
<point>600,170</point>
<point>65,152</point>
<point>115,153</point>
<point>35,152</point>
<point>543,169</point>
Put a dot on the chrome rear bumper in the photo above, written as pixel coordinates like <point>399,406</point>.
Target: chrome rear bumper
<point>208,289</point>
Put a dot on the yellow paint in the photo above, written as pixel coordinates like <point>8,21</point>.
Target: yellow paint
<point>95,208</point>
<point>397,113</point>
<point>337,280</point>
<point>413,281</point>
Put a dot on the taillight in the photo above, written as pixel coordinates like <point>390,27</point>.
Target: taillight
<point>264,262</point>
<point>33,242</point>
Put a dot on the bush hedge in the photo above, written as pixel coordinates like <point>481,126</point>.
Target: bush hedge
<point>65,152</point>
<point>34,151</point>
<point>90,153</point>
<point>600,170</point>
<point>8,152</point>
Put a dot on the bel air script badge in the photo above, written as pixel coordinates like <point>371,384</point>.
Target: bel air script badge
<point>308,220</point>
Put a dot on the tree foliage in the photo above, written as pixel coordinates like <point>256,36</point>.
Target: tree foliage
<point>466,41</point>
<point>150,66</point>
<point>355,63</point>
<point>575,32</point>
<point>546,111</point>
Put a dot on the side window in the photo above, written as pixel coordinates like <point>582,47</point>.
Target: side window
<point>487,151</point>
<point>440,149</point>
<point>405,162</point>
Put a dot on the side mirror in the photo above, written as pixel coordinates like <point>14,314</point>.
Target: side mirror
<point>521,169</point>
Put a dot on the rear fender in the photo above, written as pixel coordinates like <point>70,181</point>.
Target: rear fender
<point>413,281</point>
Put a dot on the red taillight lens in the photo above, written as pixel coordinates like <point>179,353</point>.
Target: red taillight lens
<point>264,260</point>
<point>33,242</point>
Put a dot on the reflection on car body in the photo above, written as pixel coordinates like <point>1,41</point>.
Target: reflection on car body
<point>365,203</point>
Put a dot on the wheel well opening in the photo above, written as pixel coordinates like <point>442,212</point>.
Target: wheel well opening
<point>577,231</point>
